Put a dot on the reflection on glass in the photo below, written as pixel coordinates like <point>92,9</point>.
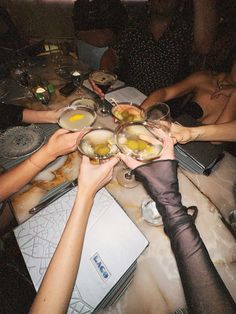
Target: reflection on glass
<point>98,144</point>
<point>76,118</point>
<point>127,112</point>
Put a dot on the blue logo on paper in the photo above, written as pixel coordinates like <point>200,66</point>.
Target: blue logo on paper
<point>100,267</point>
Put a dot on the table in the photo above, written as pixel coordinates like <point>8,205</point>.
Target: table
<point>156,287</point>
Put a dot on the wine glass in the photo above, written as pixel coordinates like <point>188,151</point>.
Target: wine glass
<point>84,102</point>
<point>128,112</point>
<point>138,140</point>
<point>159,113</point>
<point>104,80</point>
<point>75,118</point>
<point>98,144</point>
<point>77,79</point>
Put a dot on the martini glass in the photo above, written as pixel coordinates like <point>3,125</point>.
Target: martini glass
<point>104,80</point>
<point>140,141</point>
<point>84,102</point>
<point>75,118</point>
<point>98,144</point>
<point>128,112</point>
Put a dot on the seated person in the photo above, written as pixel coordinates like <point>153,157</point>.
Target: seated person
<point>13,115</point>
<point>155,53</point>
<point>214,95</point>
<point>204,290</point>
<point>96,24</point>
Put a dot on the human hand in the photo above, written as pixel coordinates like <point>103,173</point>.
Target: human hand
<point>180,133</point>
<point>97,90</point>
<point>53,115</point>
<point>92,177</point>
<point>167,151</point>
<point>63,142</point>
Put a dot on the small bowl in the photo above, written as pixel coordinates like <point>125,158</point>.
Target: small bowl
<point>98,143</point>
<point>126,112</point>
<point>76,118</point>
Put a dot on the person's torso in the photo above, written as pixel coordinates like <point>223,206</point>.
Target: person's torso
<point>148,64</point>
<point>212,107</point>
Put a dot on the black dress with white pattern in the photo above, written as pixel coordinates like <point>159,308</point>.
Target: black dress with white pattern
<point>148,64</point>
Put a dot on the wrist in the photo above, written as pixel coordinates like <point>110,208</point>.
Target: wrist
<point>42,157</point>
<point>194,134</point>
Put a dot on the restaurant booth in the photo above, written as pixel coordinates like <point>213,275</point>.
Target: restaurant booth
<point>127,264</point>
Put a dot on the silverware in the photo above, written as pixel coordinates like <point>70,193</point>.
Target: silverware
<point>54,197</point>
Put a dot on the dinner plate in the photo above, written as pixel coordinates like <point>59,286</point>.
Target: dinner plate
<point>20,141</point>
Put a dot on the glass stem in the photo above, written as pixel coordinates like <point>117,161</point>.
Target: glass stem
<point>128,175</point>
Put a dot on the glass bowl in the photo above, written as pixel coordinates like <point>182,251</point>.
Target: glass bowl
<point>76,118</point>
<point>139,141</point>
<point>127,112</point>
<point>98,143</point>
<point>84,102</point>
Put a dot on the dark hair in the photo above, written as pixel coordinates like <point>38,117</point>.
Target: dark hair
<point>231,57</point>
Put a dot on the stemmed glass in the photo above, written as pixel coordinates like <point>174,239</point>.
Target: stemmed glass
<point>138,140</point>
<point>76,117</point>
<point>98,144</point>
<point>159,113</point>
<point>127,112</point>
<point>104,80</point>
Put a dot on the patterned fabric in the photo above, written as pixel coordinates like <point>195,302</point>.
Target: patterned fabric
<point>10,115</point>
<point>98,14</point>
<point>148,64</point>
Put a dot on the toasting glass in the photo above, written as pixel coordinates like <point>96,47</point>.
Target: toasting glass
<point>104,80</point>
<point>140,141</point>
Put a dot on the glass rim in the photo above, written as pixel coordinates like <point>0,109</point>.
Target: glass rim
<point>103,71</point>
<point>71,108</point>
<point>121,127</point>
<point>155,105</point>
<point>132,105</point>
<point>98,129</point>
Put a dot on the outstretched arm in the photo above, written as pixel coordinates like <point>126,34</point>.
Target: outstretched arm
<point>184,87</point>
<point>55,291</point>
<point>38,116</point>
<point>215,132</point>
<point>62,142</point>
<point>204,290</point>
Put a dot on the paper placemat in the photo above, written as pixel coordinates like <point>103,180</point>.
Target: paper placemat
<point>127,94</point>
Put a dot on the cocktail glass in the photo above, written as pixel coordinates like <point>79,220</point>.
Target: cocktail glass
<point>76,118</point>
<point>84,102</point>
<point>159,113</point>
<point>140,141</point>
<point>128,112</point>
<point>104,80</point>
<point>98,144</point>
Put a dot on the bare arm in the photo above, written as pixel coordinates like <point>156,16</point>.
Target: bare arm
<point>219,132</point>
<point>179,89</point>
<point>61,143</point>
<point>205,25</point>
<point>36,116</point>
<point>58,283</point>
